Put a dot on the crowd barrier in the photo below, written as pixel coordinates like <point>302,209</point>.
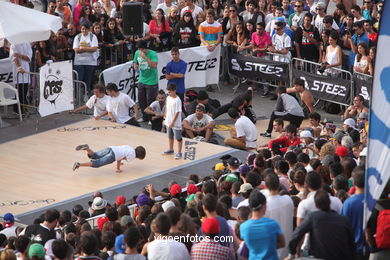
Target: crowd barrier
<point>363,85</point>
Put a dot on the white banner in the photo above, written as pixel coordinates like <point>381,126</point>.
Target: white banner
<point>56,88</point>
<point>6,74</point>
<point>202,69</point>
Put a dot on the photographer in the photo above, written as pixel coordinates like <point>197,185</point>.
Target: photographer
<point>333,56</point>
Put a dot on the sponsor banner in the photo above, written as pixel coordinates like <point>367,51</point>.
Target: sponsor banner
<point>253,68</point>
<point>363,86</point>
<point>56,88</point>
<point>202,69</point>
<point>325,87</point>
<point>6,74</point>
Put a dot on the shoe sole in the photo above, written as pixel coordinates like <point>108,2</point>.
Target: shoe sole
<point>76,166</point>
<point>165,153</point>
<point>82,147</point>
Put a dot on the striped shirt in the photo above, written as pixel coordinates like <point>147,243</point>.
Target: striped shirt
<point>210,32</point>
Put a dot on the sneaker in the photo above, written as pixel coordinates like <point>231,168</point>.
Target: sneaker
<point>140,120</point>
<point>178,156</point>
<point>265,93</point>
<point>168,152</point>
<point>82,147</point>
<point>266,134</point>
<point>150,123</point>
<point>76,165</point>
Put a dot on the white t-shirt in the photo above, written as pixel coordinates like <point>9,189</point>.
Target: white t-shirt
<point>99,105</point>
<point>319,24</point>
<point>196,123</point>
<point>86,58</point>
<point>119,107</point>
<point>165,8</point>
<point>269,17</point>
<point>173,105</point>
<point>308,206</point>
<point>197,10</point>
<point>281,209</point>
<point>281,42</point>
<point>9,232</point>
<point>245,127</point>
<point>155,106</point>
<point>26,50</point>
<point>123,151</point>
<point>243,203</point>
<point>167,250</point>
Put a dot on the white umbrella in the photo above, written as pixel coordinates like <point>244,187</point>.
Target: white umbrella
<point>20,24</point>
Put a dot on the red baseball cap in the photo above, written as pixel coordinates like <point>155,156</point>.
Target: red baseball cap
<point>175,189</point>
<point>210,226</point>
<point>101,221</point>
<point>192,189</point>
<point>120,200</point>
<point>342,151</point>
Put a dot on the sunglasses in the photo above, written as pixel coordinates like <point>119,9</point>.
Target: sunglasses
<point>232,11</point>
<point>298,6</point>
<point>367,2</point>
<point>259,29</point>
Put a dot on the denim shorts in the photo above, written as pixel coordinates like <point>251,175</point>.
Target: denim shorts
<point>174,133</point>
<point>102,157</point>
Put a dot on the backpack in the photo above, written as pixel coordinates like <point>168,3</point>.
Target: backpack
<point>382,238</point>
<point>332,108</point>
<point>90,36</point>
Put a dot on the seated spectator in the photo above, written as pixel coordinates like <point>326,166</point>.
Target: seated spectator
<point>325,226</point>
<point>244,134</point>
<point>349,127</point>
<point>315,123</point>
<point>357,107</point>
<point>287,108</point>
<point>362,60</point>
<point>160,31</point>
<point>199,124</point>
<point>88,246</point>
<point>290,139</point>
<point>132,237</point>
<point>185,33</point>
<point>157,110</point>
<point>8,225</point>
<point>41,233</point>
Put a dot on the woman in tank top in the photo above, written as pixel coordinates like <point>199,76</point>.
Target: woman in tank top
<point>333,55</point>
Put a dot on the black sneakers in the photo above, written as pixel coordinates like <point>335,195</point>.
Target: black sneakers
<point>266,134</point>
<point>76,165</point>
<point>82,147</point>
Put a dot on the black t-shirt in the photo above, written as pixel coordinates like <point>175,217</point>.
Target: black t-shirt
<point>309,51</point>
<point>39,234</point>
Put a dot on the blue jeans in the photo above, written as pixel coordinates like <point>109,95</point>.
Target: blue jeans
<point>102,157</point>
<point>86,74</point>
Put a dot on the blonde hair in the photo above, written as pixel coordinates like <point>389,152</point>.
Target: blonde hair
<point>327,149</point>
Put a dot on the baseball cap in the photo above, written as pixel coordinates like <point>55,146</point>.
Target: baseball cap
<point>280,19</point>
<point>245,188</point>
<point>219,167</point>
<point>192,189</point>
<point>101,221</point>
<point>168,204</point>
<point>328,159</point>
<point>233,161</point>
<point>231,177</point>
<point>210,226</point>
<point>36,250</point>
<point>8,220</point>
<point>363,115</point>
<point>243,169</point>
<point>306,134</point>
<point>256,200</point>
<point>342,151</point>
<point>350,122</point>
<point>200,107</point>
<point>339,135</point>
<point>127,220</point>
<point>120,200</point>
<point>175,189</point>
<point>191,197</point>
<point>142,199</point>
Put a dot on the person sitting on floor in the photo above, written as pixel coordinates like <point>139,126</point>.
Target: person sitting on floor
<point>244,135</point>
<point>199,124</point>
<point>287,108</point>
<point>290,139</point>
<point>157,110</point>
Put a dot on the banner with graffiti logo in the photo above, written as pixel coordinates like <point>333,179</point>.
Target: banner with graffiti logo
<point>56,88</point>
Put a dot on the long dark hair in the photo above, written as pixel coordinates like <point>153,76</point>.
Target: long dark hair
<point>184,23</point>
<point>366,49</point>
<point>163,17</point>
<point>82,14</point>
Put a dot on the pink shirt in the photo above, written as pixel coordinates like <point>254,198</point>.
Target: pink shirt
<point>154,29</point>
<point>261,41</point>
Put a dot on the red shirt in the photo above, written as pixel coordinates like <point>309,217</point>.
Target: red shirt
<point>372,37</point>
<point>154,29</point>
<point>261,41</point>
<point>284,142</point>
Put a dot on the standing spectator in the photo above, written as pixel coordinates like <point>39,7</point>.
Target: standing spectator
<point>251,14</point>
<point>244,134</point>
<point>288,9</point>
<point>279,208</point>
<point>270,27</point>
<point>209,248</point>
<point>86,15</point>
<point>77,12</point>
<point>371,34</point>
<point>281,44</point>
<point>210,31</point>
<point>288,108</point>
<point>64,11</point>
<point>371,65</point>
<point>21,55</point>
<point>262,235</point>
<point>97,14</point>
<point>43,53</point>
<point>88,246</point>
<point>160,31</point>
<point>353,209</point>
<point>340,14</point>
<point>326,227</point>
<point>357,14</point>
<point>157,110</point>
<point>162,247</point>
<point>112,36</point>
<point>307,39</point>
<point>236,38</point>
<point>333,55</point>
<point>362,60</point>
<point>146,61</point>
<point>260,40</point>
<point>173,17</point>
<point>166,6</point>
<point>41,233</point>
<point>175,74</point>
<point>107,7</point>
<point>199,124</point>
<point>233,18</point>
<point>272,9</point>
<point>319,21</point>
<point>132,237</point>
<point>51,7</point>
<point>185,32</point>
<point>118,106</point>
<point>86,46</point>
<point>173,122</point>
<point>296,19</point>
<point>194,9</point>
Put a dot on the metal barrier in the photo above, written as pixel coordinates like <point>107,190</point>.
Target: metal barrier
<point>93,220</point>
<point>313,67</point>
<point>270,83</point>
